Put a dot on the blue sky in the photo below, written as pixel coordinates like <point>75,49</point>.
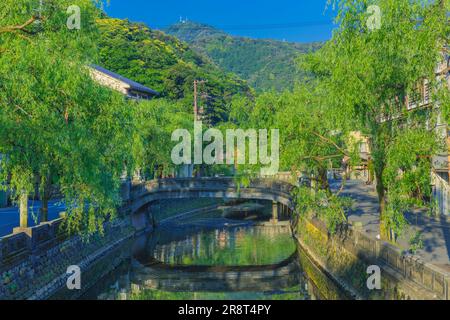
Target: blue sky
<point>290,20</point>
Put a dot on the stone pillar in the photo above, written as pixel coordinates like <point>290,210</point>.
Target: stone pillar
<point>44,209</point>
<point>447,288</point>
<point>274,212</point>
<point>185,171</point>
<point>23,209</point>
<point>125,190</point>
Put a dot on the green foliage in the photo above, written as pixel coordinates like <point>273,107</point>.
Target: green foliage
<point>368,74</point>
<point>361,79</point>
<point>416,242</point>
<point>320,204</point>
<point>57,125</point>
<point>167,65</point>
<point>314,136</point>
<point>155,121</point>
<point>443,96</point>
<point>312,140</point>
<point>408,163</point>
<point>265,64</point>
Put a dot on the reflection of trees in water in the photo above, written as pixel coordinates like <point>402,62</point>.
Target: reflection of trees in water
<point>238,246</point>
<point>295,293</point>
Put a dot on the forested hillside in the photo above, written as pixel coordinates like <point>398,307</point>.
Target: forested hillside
<point>265,64</point>
<point>168,65</point>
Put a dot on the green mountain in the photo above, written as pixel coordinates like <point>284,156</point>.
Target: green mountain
<point>265,64</point>
<point>168,65</point>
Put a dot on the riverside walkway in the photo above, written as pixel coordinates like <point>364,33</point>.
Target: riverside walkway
<point>435,231</point>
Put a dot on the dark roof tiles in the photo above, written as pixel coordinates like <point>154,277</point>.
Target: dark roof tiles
<point>133,85</point>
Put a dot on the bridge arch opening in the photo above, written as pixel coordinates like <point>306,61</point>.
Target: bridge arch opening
<point>143,195</point>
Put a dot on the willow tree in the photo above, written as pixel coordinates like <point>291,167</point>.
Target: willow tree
<point>156,120</point>
<point>379,53</point>
<point>57,124</point>
<point>314,140</point>
<point>314,136</point>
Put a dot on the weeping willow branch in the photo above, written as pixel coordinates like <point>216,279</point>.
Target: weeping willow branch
<point>320,159</point>
<point>329,141</point>
<point>21,27</point>
<point>25,112</point>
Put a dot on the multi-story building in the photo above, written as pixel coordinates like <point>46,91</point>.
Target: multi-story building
<point>441,162</point>
<point>421,100</point>
<point>361,171</point>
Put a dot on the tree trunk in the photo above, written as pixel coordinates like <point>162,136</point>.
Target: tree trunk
<point>44,206</point>
<point>384,232</point>
<point>23,209</point>
<point>323,180</point>
<point>378,145</point>
<point>45,197</point>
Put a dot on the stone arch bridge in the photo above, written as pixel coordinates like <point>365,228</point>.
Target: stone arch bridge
<point>158,275</point>
<point>277,190</point>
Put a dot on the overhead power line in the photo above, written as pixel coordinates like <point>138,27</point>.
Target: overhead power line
<point>294,25</point>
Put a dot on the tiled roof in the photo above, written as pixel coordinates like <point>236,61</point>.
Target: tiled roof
<point>133,85</point>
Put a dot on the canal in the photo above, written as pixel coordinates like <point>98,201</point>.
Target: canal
<point>233,252</point>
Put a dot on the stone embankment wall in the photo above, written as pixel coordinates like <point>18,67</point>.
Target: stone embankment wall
<point>346,256</point>
<point>33,265</point>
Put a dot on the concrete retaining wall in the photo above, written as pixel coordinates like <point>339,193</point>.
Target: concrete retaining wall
<point>348,254</point>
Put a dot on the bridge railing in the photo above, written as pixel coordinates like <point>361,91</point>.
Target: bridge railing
<point>16,246</point>
<point>223,183</point>
<point>412,268</point>
<point>35,241</point>
<point>379,252</point>
<point>409,266</point>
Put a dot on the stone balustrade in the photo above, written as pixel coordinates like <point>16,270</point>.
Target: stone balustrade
<point>23,243</point>
<point>401,266</point>
<point>262,189</point>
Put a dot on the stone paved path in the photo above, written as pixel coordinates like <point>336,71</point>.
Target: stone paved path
<point>435,231</point>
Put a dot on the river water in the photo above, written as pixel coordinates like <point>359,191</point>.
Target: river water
<point>210,256</point>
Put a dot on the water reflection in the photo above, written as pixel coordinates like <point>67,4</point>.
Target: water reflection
<point>238,246</point>
<point>210,257</point>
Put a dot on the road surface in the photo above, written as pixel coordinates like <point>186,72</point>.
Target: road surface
<point>9,217</point>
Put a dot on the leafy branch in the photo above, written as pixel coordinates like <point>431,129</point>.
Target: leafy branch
<point>21,27</point>
<point>329,141</point>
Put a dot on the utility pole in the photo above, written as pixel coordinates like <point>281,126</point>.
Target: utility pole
<point>195,100</point>
<point>196,83</point>
<point>197,116</point>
